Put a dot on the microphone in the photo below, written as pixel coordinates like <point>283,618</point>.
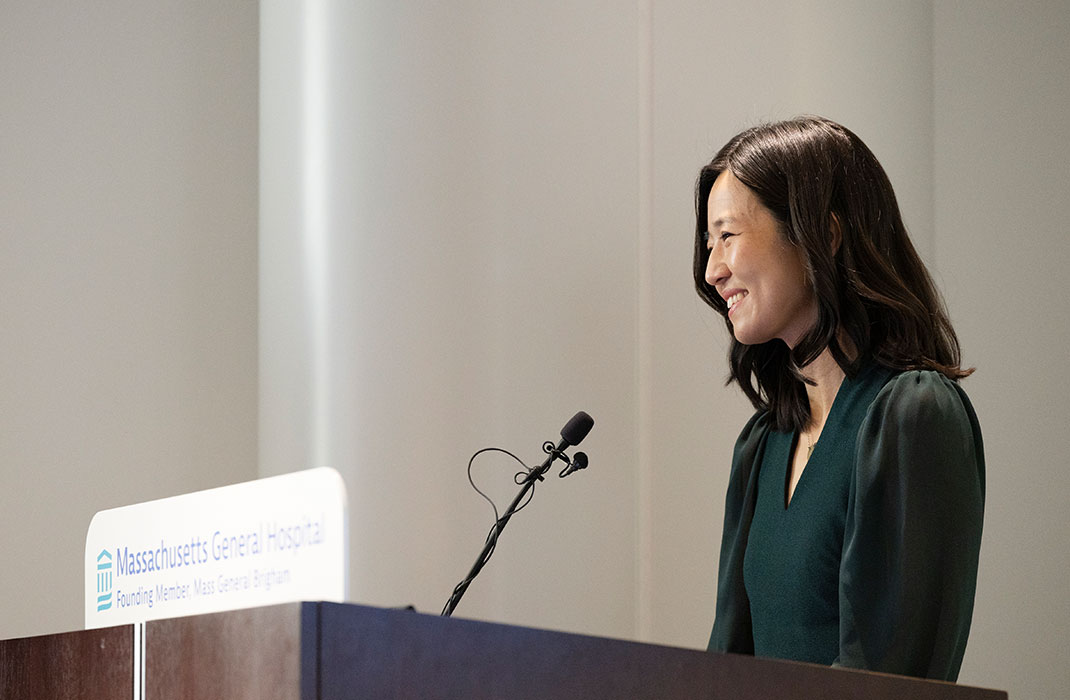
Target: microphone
<point>578,462</point>
<point>577,428</point>
<point>571,435</point>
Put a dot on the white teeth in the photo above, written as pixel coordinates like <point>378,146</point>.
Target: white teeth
<point>732,300</point>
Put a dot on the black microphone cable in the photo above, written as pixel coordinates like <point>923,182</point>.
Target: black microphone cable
<point>571,435</point>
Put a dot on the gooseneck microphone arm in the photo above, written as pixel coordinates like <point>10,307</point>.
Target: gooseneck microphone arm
<point>572,434</point>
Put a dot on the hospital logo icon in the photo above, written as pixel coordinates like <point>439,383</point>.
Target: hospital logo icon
<point>104,580</point>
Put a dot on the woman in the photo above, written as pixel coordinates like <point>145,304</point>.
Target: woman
<point>854,508</point>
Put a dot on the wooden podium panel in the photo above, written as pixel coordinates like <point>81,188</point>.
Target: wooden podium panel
<point>254,653</point>
<point>365,652</point>
<point>91,665</point>
<point>329,651</point>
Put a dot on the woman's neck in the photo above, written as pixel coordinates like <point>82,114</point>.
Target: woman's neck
<point>826,376</point>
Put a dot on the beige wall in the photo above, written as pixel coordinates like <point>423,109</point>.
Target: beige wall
<point>462,278</point>
<point>128,271</point>
<point>1002,205</point>
<point>477,145</point>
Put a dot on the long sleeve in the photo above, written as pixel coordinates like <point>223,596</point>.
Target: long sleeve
<point>913,531</point>
<point>732,631</point>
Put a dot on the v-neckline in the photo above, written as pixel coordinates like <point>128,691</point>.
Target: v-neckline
<point>833,417</point>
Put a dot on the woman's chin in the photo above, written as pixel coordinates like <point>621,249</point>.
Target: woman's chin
<point>748,336</point>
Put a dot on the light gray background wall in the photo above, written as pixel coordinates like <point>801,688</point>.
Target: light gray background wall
<point>128,270</point>
<point>475,145</point>
<point>1002,185</point>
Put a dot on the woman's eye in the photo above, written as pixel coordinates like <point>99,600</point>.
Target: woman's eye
<point>712,238</point>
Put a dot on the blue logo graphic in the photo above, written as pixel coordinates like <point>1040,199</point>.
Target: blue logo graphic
<point>103,580</point>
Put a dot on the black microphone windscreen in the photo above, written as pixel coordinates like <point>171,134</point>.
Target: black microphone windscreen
<point>577,428</point>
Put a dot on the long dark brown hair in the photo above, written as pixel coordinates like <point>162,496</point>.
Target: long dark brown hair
<point>833,201</point>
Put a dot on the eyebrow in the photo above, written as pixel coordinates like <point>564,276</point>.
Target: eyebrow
<point>722,221</point>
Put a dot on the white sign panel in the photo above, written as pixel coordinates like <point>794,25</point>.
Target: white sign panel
<point>274,540</point>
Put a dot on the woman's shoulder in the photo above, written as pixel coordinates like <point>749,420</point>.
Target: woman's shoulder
<point>750,442</point>
<point>760,423</point>
<point>912,391</point>
<point>926,401</point>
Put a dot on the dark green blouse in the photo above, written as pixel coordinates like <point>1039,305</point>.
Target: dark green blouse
<point>873,564</point>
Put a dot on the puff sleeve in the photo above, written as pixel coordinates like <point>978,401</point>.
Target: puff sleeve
<point>913,531</point>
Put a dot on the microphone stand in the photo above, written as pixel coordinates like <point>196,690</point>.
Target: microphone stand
<point>499,525</point>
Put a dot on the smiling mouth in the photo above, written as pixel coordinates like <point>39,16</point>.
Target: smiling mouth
<point>734,299</point>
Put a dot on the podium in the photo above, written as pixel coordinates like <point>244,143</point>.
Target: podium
<point>328,651</point>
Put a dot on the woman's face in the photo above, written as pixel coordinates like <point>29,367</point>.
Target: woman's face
<point>756,271</point>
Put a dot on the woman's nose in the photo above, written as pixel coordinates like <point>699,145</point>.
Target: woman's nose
<point>716,270</point>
